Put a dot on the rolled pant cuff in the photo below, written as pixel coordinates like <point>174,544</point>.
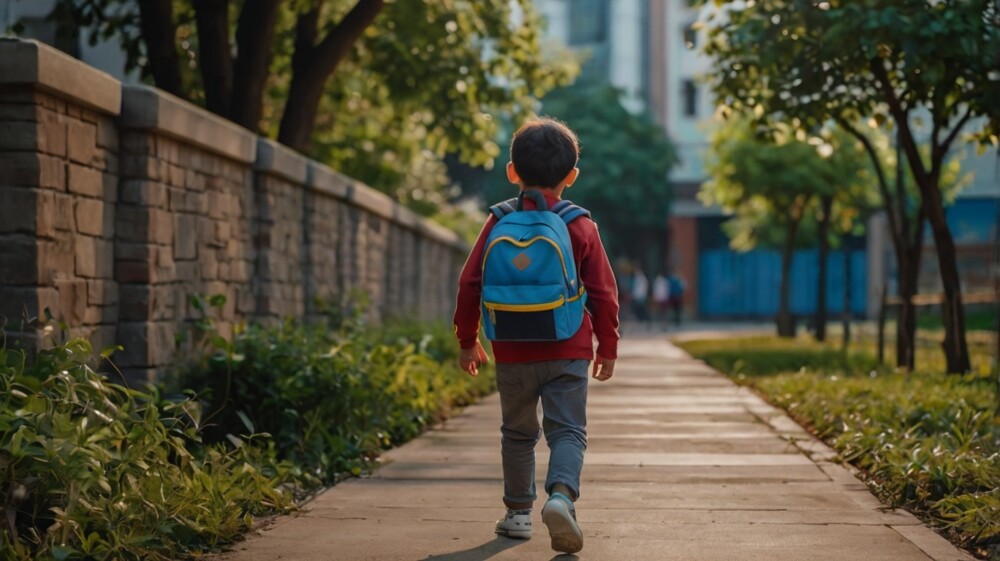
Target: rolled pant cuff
<point>519,503</point>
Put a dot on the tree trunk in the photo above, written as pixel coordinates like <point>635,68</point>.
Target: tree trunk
<point>159,31</point>
<point>908,267</point>
<point>906,318</point>
<point>786,325</point>
<point>254,41</point>
<point>313,63</point>
<point>214,54</point>
<point>826,207</point>
<point>956,351</point>
<point>903,244</point>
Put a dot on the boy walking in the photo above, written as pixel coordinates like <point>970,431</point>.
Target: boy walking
<point>539,357</point>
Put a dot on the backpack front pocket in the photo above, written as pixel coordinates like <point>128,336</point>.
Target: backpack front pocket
<point>524,313</point>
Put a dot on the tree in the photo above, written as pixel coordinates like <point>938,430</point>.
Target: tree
<point>841,205</point>
<point>807,63</point>
<point>624,162</point>
<point>455,60</point>
<point>769,183</point>
<point>842,212</point>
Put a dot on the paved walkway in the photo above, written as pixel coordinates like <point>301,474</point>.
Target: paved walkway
<point>681,465</point>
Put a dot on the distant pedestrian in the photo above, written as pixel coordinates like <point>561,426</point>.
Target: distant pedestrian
<point>640,294</point>
<point>661,296</point>
<point>676,299</point>
<point>541,335</point>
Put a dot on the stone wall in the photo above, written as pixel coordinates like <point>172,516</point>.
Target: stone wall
<point>118,203</point>
<point>58,191</point>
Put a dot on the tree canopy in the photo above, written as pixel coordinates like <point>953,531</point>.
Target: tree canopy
<point>625,159</point>
<point>890,61</point>
<point>779,184</point>
<point>412,80</point>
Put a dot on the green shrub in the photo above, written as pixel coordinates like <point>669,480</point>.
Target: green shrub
<point>926,441</point>
<point>94,470</point>
<point>978,317</point>
<point>334,395</point>
<point>763,356</point>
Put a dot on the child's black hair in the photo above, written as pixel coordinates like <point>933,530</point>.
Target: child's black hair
<point>543,151</point>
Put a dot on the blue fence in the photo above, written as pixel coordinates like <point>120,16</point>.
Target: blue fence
<point>732,284</point>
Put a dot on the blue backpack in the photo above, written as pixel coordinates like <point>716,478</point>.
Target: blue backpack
<point>530,287</point>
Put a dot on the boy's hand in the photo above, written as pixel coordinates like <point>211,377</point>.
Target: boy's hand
<point>604,368</point>
<point>471,359</point>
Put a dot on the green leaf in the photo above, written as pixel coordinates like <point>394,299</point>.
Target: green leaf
<point>235,440</point>
<point>246,421</point>
<point>62,552</point>
<point>106,352</point>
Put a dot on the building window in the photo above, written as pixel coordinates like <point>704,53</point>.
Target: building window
<point>689,94</point>
<point>588,22</point>
<point>690,36</point>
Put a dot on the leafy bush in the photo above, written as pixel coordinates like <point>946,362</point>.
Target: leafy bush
<point>978,317</point>
<point>334,395</point>
<point>763,356</point>
<point>94,470</point>
<point>926,441</point>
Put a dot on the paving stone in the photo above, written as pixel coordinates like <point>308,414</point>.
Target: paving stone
<point>670,474</point>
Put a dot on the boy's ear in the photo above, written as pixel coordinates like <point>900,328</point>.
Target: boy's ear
<point>512,175</point>
<point>570,178</point>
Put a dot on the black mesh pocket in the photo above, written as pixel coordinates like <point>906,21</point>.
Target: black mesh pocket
<point>525,326</point>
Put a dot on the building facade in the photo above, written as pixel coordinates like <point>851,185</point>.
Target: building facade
<point>33,17</point>
<point>651,51</point>
<point>726,284</point>
<point>614,37</point>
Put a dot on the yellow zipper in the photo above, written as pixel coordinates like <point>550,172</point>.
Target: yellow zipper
<point>545,306</point>
<point>526,244</point>
<point>493,307</point>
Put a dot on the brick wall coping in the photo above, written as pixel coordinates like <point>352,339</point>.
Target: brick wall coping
<point>326,180</point>
<point>279,160</point>
<point>147,108</point>
<point>31,62</point>
<point>429,228</point>
<point>375,202</point>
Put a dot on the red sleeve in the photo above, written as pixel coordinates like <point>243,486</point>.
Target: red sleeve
<point>602,289</point>
<point>470,289</point>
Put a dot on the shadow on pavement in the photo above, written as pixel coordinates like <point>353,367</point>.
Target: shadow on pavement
<point>478,553</point>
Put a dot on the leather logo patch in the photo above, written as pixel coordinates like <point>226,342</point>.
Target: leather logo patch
<point>522,261</point>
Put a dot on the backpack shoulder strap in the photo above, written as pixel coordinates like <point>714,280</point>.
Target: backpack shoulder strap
<point>504,208</point>
<point>569,211</point>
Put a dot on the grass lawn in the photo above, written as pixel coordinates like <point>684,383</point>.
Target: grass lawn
<point>926,441</point>
<point>978,317</point>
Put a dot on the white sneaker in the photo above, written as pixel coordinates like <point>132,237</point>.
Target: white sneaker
<point>517,524</point>
<point>559,515</point>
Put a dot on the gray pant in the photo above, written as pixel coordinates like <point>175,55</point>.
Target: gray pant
<point>562,387</point>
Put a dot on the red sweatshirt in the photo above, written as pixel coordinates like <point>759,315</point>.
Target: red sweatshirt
<point>597,277</point>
